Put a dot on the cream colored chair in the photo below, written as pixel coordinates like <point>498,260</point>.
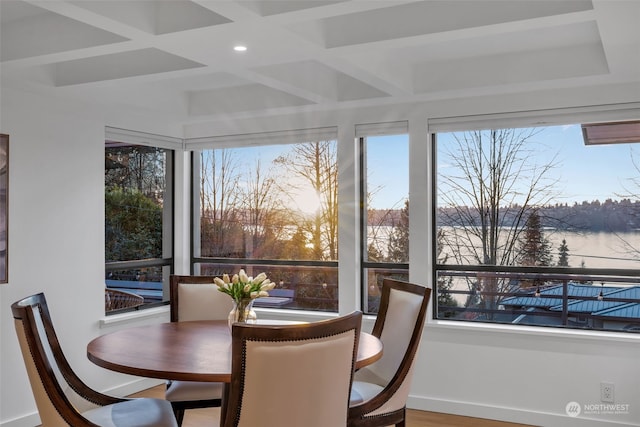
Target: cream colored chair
<point>61,397</point>
<point>380,391</point>
<point>292,375</point>
<point>195,298</point>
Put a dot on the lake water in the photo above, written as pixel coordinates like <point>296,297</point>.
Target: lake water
<point>596,249</point>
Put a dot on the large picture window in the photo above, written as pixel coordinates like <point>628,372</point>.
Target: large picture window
<point>138,222</point>
<point>271,208</point>
<point>537,226</point>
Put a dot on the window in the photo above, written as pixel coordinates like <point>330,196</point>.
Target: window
<point>535,227</point>
<point>269,204</point>
<point>384,150</point>
<point>138,218</point>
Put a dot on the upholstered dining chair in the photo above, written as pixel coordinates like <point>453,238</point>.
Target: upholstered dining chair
<point>292,375</point>
<point>195,298</point>
<point>380,391</point>
<point>62,398</point>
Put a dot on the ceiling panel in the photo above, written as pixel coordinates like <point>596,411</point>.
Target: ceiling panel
<point>118,66</point>
<point>27,31</point>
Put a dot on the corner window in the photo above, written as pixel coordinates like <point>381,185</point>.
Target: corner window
<point>138,224</point>
<point>535,227</point>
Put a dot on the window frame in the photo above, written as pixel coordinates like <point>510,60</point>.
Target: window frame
<point>603,114</point>
<point>247,141</point>
<point>362,133</point>
<point>170,145</point>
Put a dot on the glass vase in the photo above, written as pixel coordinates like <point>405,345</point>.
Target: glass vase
<point>242,312</point>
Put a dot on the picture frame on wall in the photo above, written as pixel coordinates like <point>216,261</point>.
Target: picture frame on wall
<point>4,207</point>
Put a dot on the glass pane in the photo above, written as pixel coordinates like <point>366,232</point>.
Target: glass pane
<point>537,201</point>
<point>562,300</point>
<point>387,197</point>
<point>297,287</point>
<point>146,282</point>
<point>274,203</point>
<point>135,183</point>
<point>374,278</point>
<point>537,197</point>
<point>386,209</point>
<point>138,218</point>
<point>270,202</point>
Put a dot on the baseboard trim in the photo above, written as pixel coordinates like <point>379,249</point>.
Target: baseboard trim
<point>33,419</point>
<point>513,415</point>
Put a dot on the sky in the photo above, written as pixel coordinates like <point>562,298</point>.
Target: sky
<point>584,173</point>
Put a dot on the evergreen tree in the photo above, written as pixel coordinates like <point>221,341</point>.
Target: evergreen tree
<point>445,283</point>
<point>534,247</point>
<point>133,225</point>
<point>399,238</point>
<point>563,254</point>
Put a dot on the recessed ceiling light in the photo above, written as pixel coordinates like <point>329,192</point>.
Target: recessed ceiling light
<point>240,48</point>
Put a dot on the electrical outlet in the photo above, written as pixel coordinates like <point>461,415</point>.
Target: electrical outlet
<point>607,392</point>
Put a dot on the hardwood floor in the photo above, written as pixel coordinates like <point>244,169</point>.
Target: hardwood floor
<point>203,417</point>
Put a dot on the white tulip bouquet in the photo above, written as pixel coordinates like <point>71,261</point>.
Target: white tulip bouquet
<point>241,287</point>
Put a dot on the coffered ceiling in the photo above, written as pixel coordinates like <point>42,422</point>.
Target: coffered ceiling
<point>177,56</point>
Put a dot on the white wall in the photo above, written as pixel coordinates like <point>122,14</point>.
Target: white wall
<point>56,235</point>
<point>56,241</point>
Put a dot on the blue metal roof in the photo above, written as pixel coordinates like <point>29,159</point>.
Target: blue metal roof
<point>573,290</point>
<point>629,310</point>
<point>597,306</point>
<point>603,308</point>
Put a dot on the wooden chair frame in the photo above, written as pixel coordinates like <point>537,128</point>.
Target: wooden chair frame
<point>23,312</point>
<point>174,281</point>
<point>358,413</point>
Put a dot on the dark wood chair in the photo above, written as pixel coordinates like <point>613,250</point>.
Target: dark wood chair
<point>380,391</point>
<point>292,375</point>
<point>62,398</point>
<point>195,298</point>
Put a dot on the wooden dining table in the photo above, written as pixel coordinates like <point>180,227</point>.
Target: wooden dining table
<point>186,351</point>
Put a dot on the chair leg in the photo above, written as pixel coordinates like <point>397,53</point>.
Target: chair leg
<point>404,417</point>
<point>178,413</point>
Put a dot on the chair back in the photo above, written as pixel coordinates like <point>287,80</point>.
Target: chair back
<point>399,326</point>
<point>58,392</point>
<point>292,375</point>
<point>197,298</point>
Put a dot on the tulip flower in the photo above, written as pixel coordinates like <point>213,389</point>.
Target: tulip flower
<point>241,286</point>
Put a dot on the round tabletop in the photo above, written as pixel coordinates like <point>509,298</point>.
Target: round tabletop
<point>187,351</point>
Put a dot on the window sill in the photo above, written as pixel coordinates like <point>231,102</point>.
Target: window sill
<point>135,316</point>
<point>545,332</point>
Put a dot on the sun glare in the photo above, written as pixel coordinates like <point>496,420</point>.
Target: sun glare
<point>308,201</point>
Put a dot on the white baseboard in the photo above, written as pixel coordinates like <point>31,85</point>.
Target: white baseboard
<point>514,415</point>
<point>33,419</point>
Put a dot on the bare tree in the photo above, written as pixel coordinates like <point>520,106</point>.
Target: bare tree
<point>632,192</point>
<point>261,202</point>
<point>316,164</point>
<point>487,198</point>
<point>219,202</point>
